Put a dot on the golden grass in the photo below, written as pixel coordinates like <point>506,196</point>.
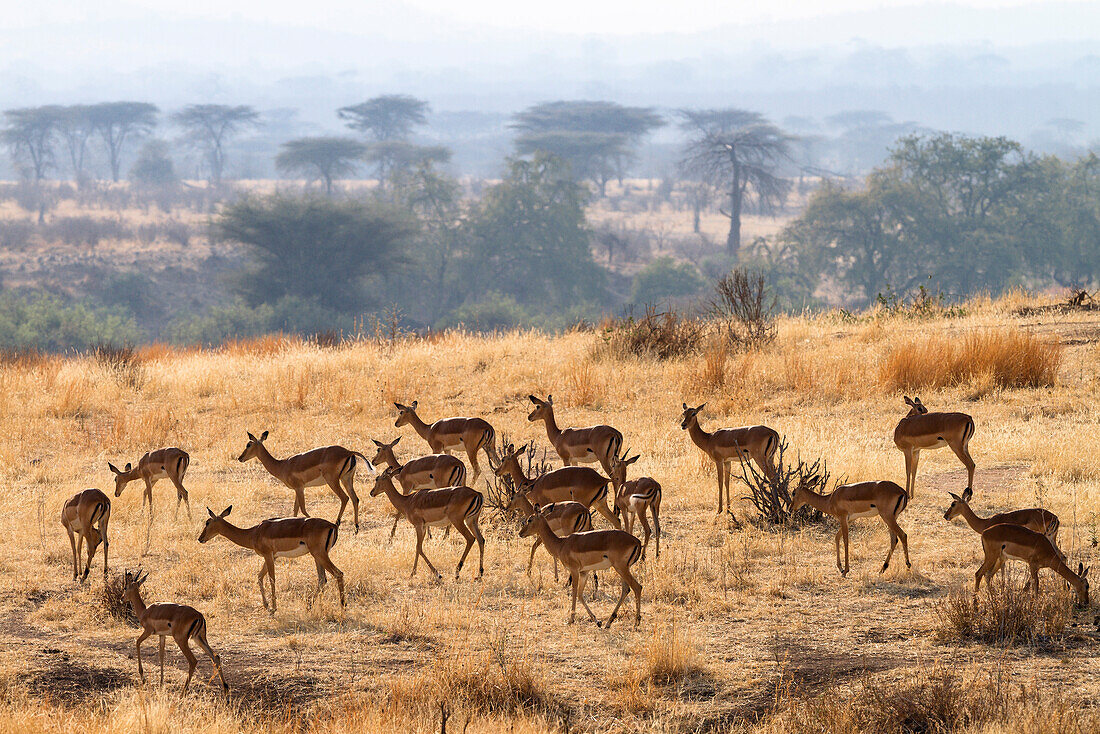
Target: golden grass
<point>498,653</point>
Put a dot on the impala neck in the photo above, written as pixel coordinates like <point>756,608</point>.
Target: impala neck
<point>129,476</point>
<point>523,504</point>
<point>273,465</point>
<point>389,458</point>
<point>546,535</point>
<point>422,428</point>
<point>241,536</point>
<point>700,437</point>
<point>396,497</point>
<point>514,470</point>
<point>978,524</point>
<point>137,603</point>
<point>552,430</point>
<point>819,502</point>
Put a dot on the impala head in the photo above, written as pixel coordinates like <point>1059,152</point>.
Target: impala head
<point>214,524</point>
<point>1083,594</point>
<point>518,503</point>
<point>133,583</point>
<point>252,448</point>
<point>509,460</point>
<point>957,503</point>
<point>405,413</point>
<point>530,525</point>
<point>690,415</point>
<point>916,407</point>
<point>385,455</point>
<point>619,465</point>
<point>120,480</point>
<point>383,481</point>
<point>543,408</point>
<point>798,498</point>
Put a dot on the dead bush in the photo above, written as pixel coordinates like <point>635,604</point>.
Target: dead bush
<point>744,309</point>
<point>123,362</point>
<point>1006,613</point>
<point>112,602</point>
<point>1008,358</point>
<point>655,335</point>
<point>500,490</point>
<point>772,496</point>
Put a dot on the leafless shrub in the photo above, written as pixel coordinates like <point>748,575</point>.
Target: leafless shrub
<point>772,496</point>
<point>329,339</point>
<point>113,603</point>
<point>177,232</point>
<point>123,362</point>
<point>500,490</point>
<point>656,335</point>
<point>744,308</point>
<point>1005,613</point>
<point>15,234</point>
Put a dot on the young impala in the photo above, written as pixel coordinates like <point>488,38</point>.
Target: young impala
<point>447,434</point>
<point>863,499</point>
<point>453,506</point>
<point>1037,519</point>
<point>577,445</point>
<point>434,471</point>
<point>727,445</point>
<point>331,465</point>
<point>80,516</point>
<point>633,498</point>
<point>182,622</point>
<point>287,537</point>
<point>1001,542</point>
<point>920,429</point>
<point>153,466</point>
<point>578,483</point>
<point>565,518</point>
<point>596,550</point>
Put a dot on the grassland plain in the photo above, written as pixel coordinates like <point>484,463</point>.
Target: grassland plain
<point>742,627</point>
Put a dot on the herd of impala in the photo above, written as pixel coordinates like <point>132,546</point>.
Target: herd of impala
<point>555,506</point>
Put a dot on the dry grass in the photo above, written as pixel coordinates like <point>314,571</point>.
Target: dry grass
<point>498,653</point>
<point>1006,613</point>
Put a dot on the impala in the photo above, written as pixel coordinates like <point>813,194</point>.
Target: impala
<point>182,622</point>
<point>920,429</point>
<point>578,483</point>
<point>596,550</point>
<point>1037,519</point>
<point>1001,542</point>
<point>633,498</point>
<point>331,465</point>
<point>452,506</point>
<point>80,516</point>
<point>577,445</point>
<point>565,518</point>
<point>153,466</point>
<point>863,499</point>
<point>447,434</point>
<point>728,445</point>
<point>287,537</point>
<point>434,471</point>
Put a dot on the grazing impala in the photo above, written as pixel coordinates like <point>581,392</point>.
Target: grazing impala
<point>80,516</point>
<point>457,506</point>
<point>577,445</point>
<point>182,622</point>
<point>863,499</point>
<point>728,445</point>
<point>578,483</point>
<point>434,471</point>
<point>565,518</point>
<point>287,537</point>
<point>1037,519</point>
<point>920,429</point>
<point>472,434</point>
<point>1001,542</point>
<point>331,465</point>
<point>153,466</point>
<point>596,550</point>
<point>633,498</point>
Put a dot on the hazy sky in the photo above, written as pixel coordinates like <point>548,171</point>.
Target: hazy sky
<point>578,16</point>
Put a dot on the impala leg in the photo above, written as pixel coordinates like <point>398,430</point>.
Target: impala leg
<point>916,462</point>
<point>145,632</point>
<point>531,561</point>
<point>215,660</point>
<point>836,540</point>
<point>471,453</point>
<point>192,661</point>
<point>263,589</point>
<point>986,571</point>
<point>578,593</point>
<point>460,526</point>
<point>475,525</point>
<point>76,554</point>
<point>324,560</point>
<point>910,471</point>
<point>349,487</point>
<point>148,497</point>
<point>603,509</point>
<point>727,472</point>
<point>1034,577</point>
<point>844,530</point>
<point>896,534</point>
<point>334,485</point>
<point>963,452</point>
<point>629,584</point>
<point>161,656</point>
<point>721,474</point>
<point>91,552</point>
<point>645,530</point>
<point>655,508</point>
<point>575,577</point>
<point>300,502</point>
<point>420,552</point>
<point>181,497</point>
<point>103,522</point>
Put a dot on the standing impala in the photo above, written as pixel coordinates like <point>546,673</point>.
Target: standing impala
<point>863,499</point>
<point>565,518</point>
<point>596,550</point>
<point>433,471</point>
<point>452,506</point>
<point>1001,542</point>
<point>578,483</point>
<point>447,434</point>
<point>920,429</point>
<point>80,516</point>
<point>577,445</point>
<point>182,622</point>
<point>1037,519</point>
<point>287,537</point>
<point>331,465</point>
<point>727,445</point>
<point>633,498</point>
<point>153,466</point>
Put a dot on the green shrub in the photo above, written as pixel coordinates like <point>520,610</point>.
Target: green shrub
<point>49,323</point>
<point>663,279</point>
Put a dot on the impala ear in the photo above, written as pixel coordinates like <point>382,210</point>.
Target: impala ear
<point>632,459</point>
<point>908,400</point>
<point>685,406</point>
<point>142,576</point>
<point>113,468</point>
<point>226,511</point>
<point>378,443</point>
<point>211,513</point>
<point>399,406</point>
<point>533,399</point>
<point>549,399</point>
<point>128,465</point>
<point>263,436</point>
<point>955,497</point>
<point>1084,572</point>
<point>700,407</point>
<point>395,442</point>
<point>415,403</point>
<point>251,438</point>
<point>967,494</point>
<point>538,509</point>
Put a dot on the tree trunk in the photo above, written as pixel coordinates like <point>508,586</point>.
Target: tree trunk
<point>733,239</point>
<point>695,217</point>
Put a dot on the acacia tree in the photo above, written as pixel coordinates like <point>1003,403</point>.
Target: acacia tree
<point>75,125</point>
<point>738,152</point>
<point>326,157</point>
<point>117,122</point>
<point>387,117</point>
<point>209,127</point>
<point>394,156</point>
<point>30,134</point>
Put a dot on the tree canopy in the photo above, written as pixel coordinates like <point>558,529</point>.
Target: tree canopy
<point>325,157</point>
<point>387,117</point>
<point>209,127</point>
<point>118,122</point>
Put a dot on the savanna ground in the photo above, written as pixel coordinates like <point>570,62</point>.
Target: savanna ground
<point>742,627</point>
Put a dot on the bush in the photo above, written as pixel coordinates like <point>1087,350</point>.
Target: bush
<point>665,279</point>
<point>153,167</point>
<point>50,324</point>
<point>291,315</point>
<point>772,497</point>
<point>744,309</point>
<point>1006,357</point>
<point>656,335</point>
<point>84,230</point>
<point>15,234</point>
<point>1006,613</point>
<point>496,311</point>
